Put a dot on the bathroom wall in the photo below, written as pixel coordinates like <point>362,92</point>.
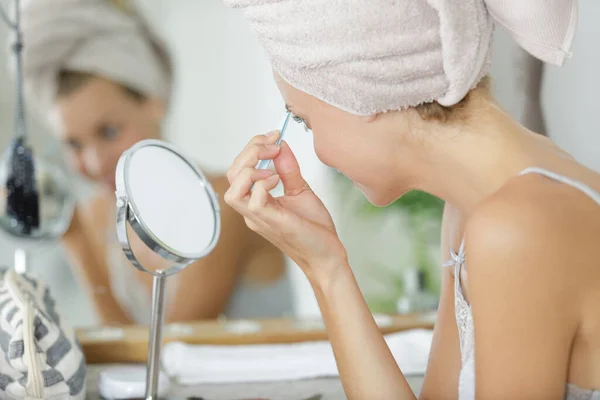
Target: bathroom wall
<point>224,94</point>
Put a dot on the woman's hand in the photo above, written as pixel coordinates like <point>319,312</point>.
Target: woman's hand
<point>297,222</point>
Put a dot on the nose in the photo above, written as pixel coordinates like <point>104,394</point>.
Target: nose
<point>97,163</point>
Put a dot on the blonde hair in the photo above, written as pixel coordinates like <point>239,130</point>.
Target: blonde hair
<point>436,112</point>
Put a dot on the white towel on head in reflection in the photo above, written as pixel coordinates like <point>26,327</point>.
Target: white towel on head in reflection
<point>197,364</point>
<point>369,56</point>
<point>102,37</point>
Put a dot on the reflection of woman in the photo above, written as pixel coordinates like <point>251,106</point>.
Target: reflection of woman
<point>394,94</point>
<point>106,82</point>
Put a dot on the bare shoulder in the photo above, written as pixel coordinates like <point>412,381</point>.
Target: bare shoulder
<point>534,222</point>
<point>531,258</point>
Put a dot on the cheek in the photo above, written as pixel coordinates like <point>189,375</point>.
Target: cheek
<point>141,128</point>
<point>128,137</point>
<point>325,151</point>
<point>338,153</point>
<point>320,151</point>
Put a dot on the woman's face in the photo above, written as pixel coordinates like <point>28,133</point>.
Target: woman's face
<point>369,150</point>
<point>99,121</point>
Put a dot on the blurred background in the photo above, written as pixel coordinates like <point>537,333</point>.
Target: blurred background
<point>224,94</point>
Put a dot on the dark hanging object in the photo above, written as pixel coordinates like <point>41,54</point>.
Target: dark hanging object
<point>22,202</point>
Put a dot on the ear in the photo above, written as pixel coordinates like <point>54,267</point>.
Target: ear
<point>371,118</point>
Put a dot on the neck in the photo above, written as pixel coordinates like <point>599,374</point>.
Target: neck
<point>477,158</point>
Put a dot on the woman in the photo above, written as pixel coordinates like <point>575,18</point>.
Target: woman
<point>395,96</point>
<point>105,82</point>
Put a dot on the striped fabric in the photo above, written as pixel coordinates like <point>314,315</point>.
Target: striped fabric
<point>40,359</point>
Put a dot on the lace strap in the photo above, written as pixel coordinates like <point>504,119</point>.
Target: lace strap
<point>456,258</point>
<point>456,261</point>
<point>582,187</point>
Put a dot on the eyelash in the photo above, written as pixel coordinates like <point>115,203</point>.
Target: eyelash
<point>300,121</point>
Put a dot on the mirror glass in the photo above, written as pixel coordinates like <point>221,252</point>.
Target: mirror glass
<point>171,200</point>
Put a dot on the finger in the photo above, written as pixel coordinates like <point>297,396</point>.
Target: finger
<point>288,169</point>
<point>267,138</point>
<point>251,224</point>
<point>250,156</point>
<point>260,194</point>
<point>238,193</point>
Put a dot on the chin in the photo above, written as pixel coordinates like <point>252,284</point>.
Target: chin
<point>377,198</point>
<point>381,201</point>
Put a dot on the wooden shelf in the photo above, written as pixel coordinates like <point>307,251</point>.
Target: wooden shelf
<point>129,344</point>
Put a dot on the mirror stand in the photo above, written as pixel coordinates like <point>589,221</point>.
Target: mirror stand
<point>159,286</point>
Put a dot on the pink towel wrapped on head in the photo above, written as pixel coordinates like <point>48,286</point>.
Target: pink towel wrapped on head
<point>370,56</point>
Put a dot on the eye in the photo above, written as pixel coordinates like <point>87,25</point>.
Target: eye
<point>109,132</point>
<point>74,145</point>
<point>300,121</point>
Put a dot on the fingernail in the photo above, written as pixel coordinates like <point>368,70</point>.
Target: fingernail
<point>272,133</point>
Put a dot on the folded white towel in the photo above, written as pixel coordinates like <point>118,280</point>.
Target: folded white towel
<point>197,364</point>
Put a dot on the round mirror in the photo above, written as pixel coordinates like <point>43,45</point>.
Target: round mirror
<point>173,209</point>
<point>168,202</point>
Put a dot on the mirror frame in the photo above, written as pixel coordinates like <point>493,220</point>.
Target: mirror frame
<point>127,211</point>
